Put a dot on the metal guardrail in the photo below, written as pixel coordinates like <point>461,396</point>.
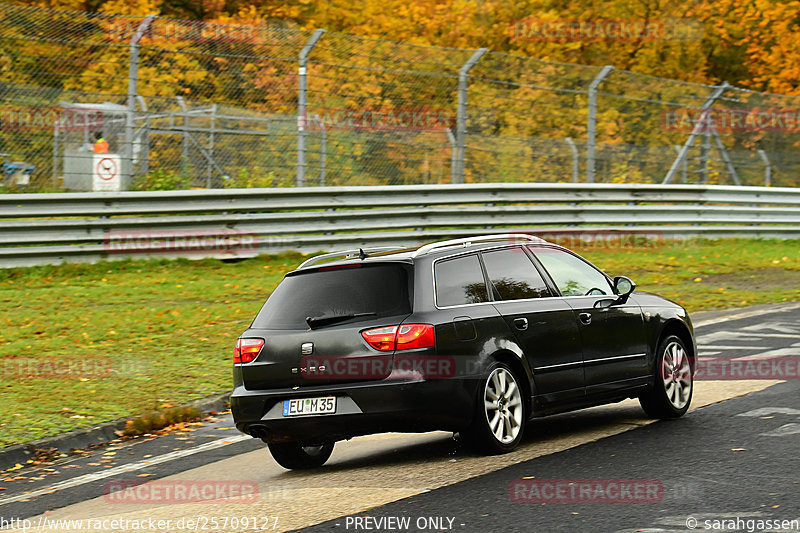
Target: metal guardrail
<point>86,227</point>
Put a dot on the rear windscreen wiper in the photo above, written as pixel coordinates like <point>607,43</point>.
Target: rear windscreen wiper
<point>325,320</point>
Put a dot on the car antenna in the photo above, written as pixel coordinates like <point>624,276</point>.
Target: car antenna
<point>361,254</point>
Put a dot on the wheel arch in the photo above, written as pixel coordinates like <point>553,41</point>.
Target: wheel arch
<point>680,330</point>
<point>523,373</point>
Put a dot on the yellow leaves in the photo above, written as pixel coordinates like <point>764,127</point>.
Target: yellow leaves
<point>137,8</point>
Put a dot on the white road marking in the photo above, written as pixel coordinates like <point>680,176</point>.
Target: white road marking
<point>748,314</point>
<point>732,347</point>
<point>122,469</point>
<point>767,411</point>
<point>774,354</point>
<point>784,430</point>
<point>742,335</point>
<point>780,327</point>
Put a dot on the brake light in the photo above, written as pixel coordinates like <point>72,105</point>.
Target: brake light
<point>354,265</point>
<point>415,336</point>
<point>245,350</point>
<point>382,339</point>
<point>404,337</point>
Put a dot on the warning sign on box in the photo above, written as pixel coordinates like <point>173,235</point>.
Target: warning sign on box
<point>106,173</point>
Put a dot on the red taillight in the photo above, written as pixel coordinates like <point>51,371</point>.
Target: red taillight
<point>415,336</point>
<point>405,337</point>
<point>381,338</point>
<point>246,350</point>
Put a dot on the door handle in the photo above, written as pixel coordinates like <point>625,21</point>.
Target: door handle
<point>586,318</point>
<point>521,323</point>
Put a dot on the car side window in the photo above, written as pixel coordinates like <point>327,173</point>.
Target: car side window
<point>513,275</point>
<point>572,275</point>
<point>460,281</point>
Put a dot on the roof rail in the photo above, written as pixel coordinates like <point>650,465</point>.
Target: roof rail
<point>346,254</point>
<point>480,238</point>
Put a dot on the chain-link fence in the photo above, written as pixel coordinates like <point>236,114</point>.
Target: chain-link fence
<point>93,101</point>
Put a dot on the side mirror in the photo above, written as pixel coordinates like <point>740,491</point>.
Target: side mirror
<point>623,287</point>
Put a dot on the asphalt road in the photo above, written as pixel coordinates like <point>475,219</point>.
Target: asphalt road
<point>430,475</point>
<point>723,461</point>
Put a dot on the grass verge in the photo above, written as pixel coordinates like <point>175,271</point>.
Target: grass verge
<point>83,344</point>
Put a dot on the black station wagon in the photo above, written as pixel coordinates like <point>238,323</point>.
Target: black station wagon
<point>474,336</point>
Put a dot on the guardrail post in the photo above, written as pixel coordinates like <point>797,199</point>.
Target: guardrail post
<point>133,80</point>
<point>574,149</point>
<point>767,168</point>
<point>461,114</point>
<point>301,106</point>
<point>701,123</point>
<point>591,124</point>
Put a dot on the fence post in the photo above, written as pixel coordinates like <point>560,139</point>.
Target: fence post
<point>144,141</point>
<point>185,135</point>
<point>323,148</point>
<point>574,149</point>
<point>133,79</point>
<point>451,139</point>
<point>701,123</point>
<point>54,176</point>
<point>767,168</point>
<point>211,144</point>
<point>684,167</point>
<point>301,107</point>
<point>461,114</point>
<point>591,125</point>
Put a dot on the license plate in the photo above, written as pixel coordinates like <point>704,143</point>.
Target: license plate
<point>309,406</point>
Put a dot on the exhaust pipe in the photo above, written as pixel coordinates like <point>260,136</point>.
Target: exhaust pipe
<point>258,431</point>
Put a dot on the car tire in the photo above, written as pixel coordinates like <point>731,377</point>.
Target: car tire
<point>673,381</point>
<point>297,456</point>
<point>501,413</point>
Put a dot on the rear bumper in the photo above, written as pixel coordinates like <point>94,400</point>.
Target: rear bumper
<point>362,409</point>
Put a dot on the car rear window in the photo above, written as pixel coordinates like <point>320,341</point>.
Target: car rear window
<point>382,289</point>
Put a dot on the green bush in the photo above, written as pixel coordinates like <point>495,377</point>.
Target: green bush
<point>246,178</point>
<point>162,180</point>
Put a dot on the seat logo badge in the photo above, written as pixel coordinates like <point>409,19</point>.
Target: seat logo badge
<point>308,370</point>
<point>307,348</point>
